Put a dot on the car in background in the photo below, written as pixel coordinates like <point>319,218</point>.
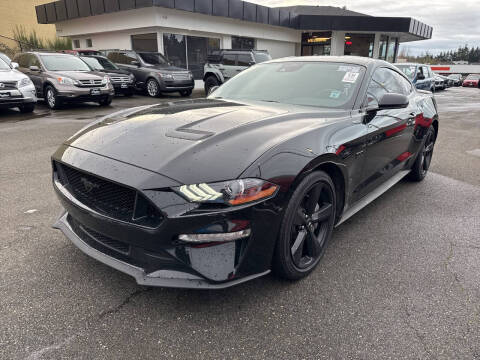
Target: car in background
<point>222,65</point>
<point>447,81</point>
<point>420,75</point>
<point>457,79</point>
<point>153,72</point>
<point>439,83</point>
<point>122,81</point>
<point>5,58</point>
<point>472,80</point>
<point>210,193</point>
<point>16,89</point>
<point>81,52</point>
<point>63,78</point>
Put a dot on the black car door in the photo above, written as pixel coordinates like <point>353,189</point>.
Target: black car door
<point>389,132</point>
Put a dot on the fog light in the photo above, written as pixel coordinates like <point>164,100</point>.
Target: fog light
<point>219,237</point>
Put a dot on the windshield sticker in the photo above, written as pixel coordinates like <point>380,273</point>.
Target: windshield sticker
<point>351,77</point>
<point>335,94</point>
<point>346,68</point>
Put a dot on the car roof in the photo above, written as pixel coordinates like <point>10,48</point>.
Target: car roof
<point>410,64</point>
<point>46,53</point>
<point>356,60</point>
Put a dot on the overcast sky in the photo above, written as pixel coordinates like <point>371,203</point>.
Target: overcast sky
<point>455,23</point>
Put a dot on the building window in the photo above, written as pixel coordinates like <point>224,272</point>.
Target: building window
<point>189,52</point>
<point>316,43</point>
<point>243,43</point>
<point>89,43</point>
<point>392,49</point>
<point>76,44</point>
<point>359,44</point>
<point>145,42</point>
<point>383,47</point>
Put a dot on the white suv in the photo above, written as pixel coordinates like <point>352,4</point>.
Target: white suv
<point>16,89</point>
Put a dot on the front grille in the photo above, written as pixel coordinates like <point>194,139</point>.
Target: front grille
<point>90,83</point>
<point>119,79</point>
<point>8,85</point>
<point>108,198</point>
<point>181,76</point>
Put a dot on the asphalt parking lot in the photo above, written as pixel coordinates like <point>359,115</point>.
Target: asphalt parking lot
<point>399,280</point>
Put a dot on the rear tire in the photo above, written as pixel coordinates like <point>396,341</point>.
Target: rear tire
<point>26,108</point>
<point>185,93</point>
<point>106,101</point>
<point>306,227</point>
<point>210,82</point>
<point>422,163</point>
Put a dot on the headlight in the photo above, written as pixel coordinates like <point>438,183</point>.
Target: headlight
<point>106,80</point>
<point>131,78</point>
<point>25,82</point>
<point>235,192</point>
<point>66,81</point>
<point>167,76</point>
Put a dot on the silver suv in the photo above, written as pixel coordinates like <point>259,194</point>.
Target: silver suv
<point>16,89</point>
<point>223,65</point>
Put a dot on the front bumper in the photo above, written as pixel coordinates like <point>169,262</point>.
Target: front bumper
<point>123,88</point>
<point>161,278</point>
<point>154,255</point>
<point>17,97</point>
<point>173,86</point>
<point>84,94</point>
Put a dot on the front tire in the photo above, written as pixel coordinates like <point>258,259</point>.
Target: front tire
<point>153,88</point>
<point>210,82</point>
<point>53,102</point>
<point>306,227</point>
<point>424,158</point>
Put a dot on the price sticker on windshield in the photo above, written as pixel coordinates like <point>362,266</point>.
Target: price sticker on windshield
<point>351,77</point>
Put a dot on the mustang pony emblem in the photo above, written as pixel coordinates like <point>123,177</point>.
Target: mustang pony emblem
<point>88,185</point>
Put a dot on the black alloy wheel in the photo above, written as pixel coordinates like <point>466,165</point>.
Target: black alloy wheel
<point>306,227</point>
<point>424,159</point>
<point>153,89</point>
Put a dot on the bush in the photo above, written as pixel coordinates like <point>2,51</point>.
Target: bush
<point>31,41</point>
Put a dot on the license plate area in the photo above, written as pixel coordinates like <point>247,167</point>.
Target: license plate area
<point>124,86</point>
<point>4,95</point>
<point>94,91</point>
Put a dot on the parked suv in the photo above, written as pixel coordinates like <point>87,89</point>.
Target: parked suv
<point>420,75</point>
<point>223,65</point>
<point>457,79</point>
<point>153,72</point>
<point>16,89</point>
<point>123,81</point>
<point>60,78</point>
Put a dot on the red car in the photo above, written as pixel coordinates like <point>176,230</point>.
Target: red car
<point>472,80</point>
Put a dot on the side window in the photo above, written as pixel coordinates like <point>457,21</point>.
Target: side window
<point>33,61</point>
<point>385,81</point>
<point>229,59</point>
<point>244,59</point>
<point>426,72</point>
<point>121,58</point>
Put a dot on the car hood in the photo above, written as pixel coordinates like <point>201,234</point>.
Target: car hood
<point>11,75</point>
<point>198,140</point>
<point>79,75</point>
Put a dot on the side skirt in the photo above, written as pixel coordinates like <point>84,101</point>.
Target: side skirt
<point>367,199</point>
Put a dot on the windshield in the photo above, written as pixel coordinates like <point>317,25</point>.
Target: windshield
<point>63,63</point>
<point>320,84</point>
<point>473,77</point>
<point>5,58</point>
<point>261,57</point>
<point>4,65</point>
<point>99,63</point>
<point>408,70</point>
<point>154,58</point>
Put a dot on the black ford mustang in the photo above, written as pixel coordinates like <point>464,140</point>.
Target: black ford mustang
<point>209,193</point>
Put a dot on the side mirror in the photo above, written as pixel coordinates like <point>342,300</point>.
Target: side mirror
<point>420,76</point>
<point>34,68</point>
<point>393,101</point>
<point>251,63</point>
<point>134,63</point>
<point>14,65</point>
<point>212,89</point>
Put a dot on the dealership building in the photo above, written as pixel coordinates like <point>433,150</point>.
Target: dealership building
<point>186,30</point>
